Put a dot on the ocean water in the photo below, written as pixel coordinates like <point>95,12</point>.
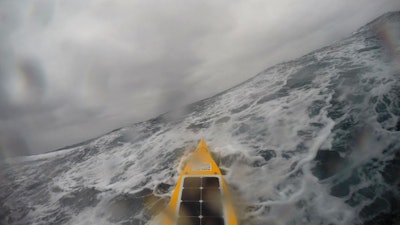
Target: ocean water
<point>310,141</point>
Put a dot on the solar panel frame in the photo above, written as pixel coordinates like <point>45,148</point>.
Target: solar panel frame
<point>201,202</point>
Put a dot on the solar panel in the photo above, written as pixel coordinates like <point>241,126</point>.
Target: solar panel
<point>201,202</point>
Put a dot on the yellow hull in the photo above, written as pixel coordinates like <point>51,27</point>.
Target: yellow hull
<point>201,195</point>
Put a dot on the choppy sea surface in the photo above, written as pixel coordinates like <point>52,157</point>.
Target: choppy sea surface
<point>315,140</point>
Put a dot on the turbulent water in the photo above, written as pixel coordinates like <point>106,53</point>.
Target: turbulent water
<point>310,141</point>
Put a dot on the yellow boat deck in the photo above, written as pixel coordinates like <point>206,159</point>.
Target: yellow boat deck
<point>201,195</point>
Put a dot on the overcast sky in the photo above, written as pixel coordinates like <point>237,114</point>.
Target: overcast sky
<point>72,70</point>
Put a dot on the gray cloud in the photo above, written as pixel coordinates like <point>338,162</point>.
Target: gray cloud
<point>71,70</point>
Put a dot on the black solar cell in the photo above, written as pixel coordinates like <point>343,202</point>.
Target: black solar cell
<point>210,182</point>
<point>212,221</point>
<point>190,194</point>
<point>211,195</point>
<point>193,182</point>
<point>211,209</point>
<point>189,209</point>
<point>188,221</point>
